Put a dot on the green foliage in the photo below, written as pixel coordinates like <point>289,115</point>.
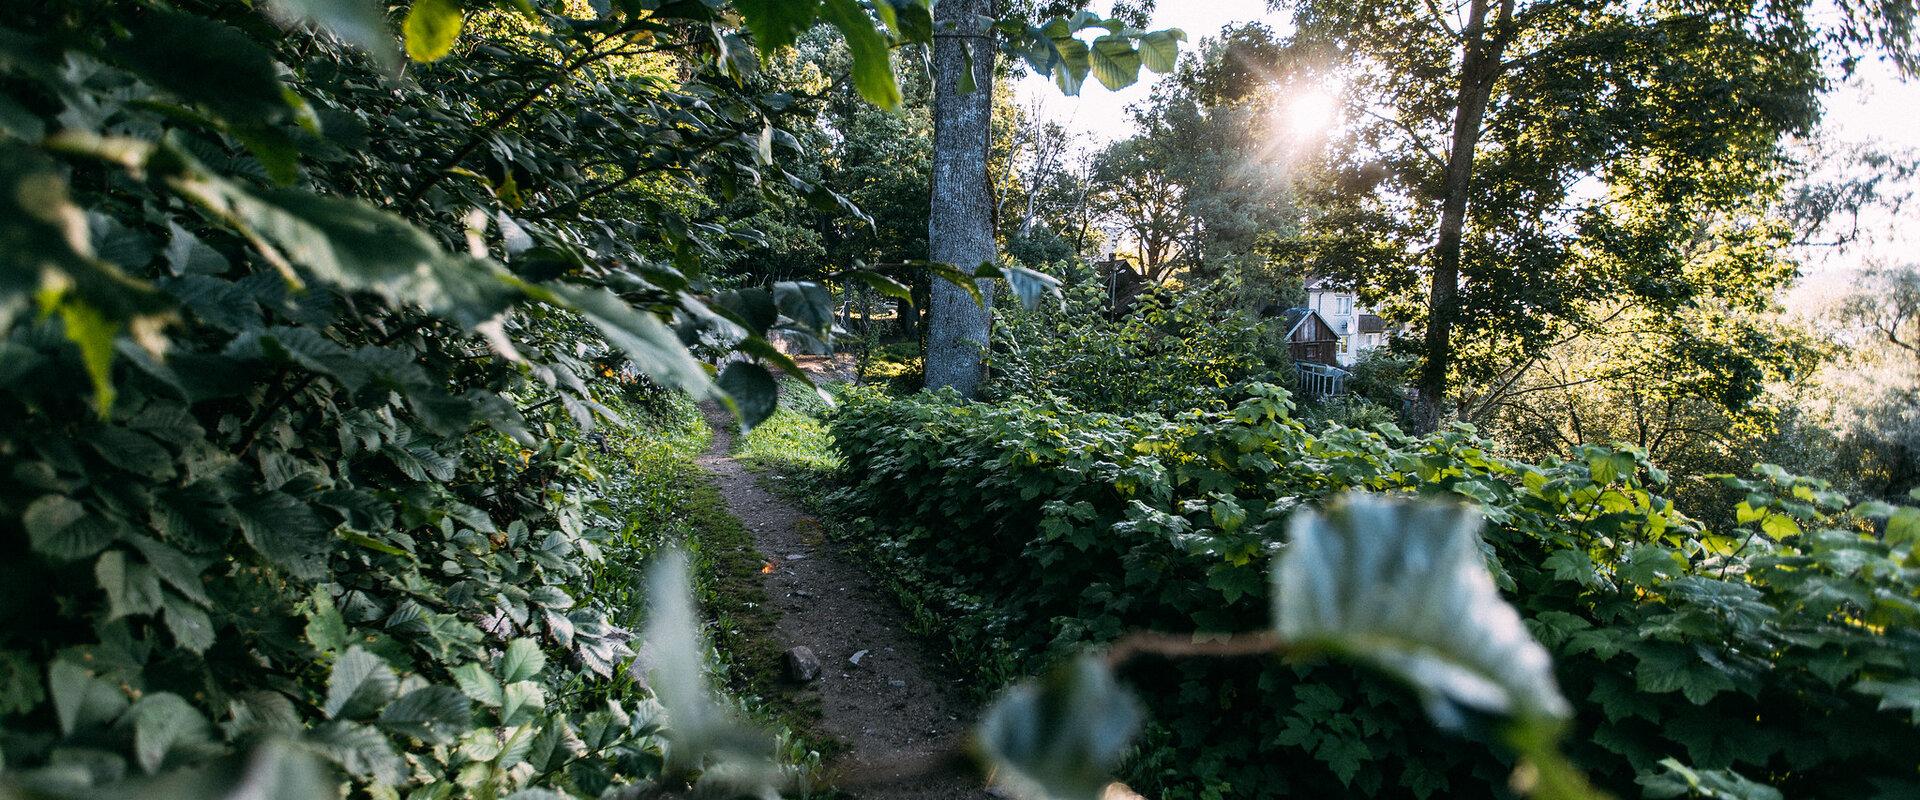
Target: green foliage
<point>1773,648</point>
<point>1180,349</point>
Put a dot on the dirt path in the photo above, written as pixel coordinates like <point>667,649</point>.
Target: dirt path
<point>890,708</point>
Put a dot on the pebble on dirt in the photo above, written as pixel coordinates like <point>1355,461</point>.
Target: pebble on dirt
<point>802,665</point>
<point>857,657</point>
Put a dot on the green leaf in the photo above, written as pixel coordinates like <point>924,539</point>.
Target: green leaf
<point>522,661</point>
<point>360,684</point>
<point>1675,779</point>
<point>287,532</point>
<point>754,391</point>
<point>431,28</point>
<point>61,528</point>
<point>807,304</point>
<point>20,687</point>
<point>361,23</point>
<point>326,629</point>
<point>521,702</point>
<point>777,23</point>
<point>1160,50</point>
<point>1059,737</point>
<point>479,684</point>
<point>93,332</point>
<point>1075,61</point>
<point>872,62</point>
<point>192,629</point>
<point>1388,581</point>
<point>1894,695</point>
<point>432,714</point>
<point>206,62</point>
<point>1115,63</point>
<point>81,700</point>
<point>132,587</point>
<point>654,349</point>
<point>161,722</point>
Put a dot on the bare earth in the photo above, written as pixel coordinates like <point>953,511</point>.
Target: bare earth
<point>892,709</point>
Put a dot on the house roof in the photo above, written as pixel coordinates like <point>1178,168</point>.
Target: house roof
<point>1300,315</point>
<point>1372,323</point>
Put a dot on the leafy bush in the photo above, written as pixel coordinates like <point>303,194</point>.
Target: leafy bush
<point>1178,349</point>
<point>1783,651</point>
<point>302,368</point>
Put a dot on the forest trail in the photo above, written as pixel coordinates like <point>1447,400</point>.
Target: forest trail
<point>892,709</point>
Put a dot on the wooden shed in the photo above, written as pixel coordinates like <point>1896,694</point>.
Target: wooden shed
<point>1309,338</point>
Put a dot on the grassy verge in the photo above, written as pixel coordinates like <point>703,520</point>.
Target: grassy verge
<point>656,496</point>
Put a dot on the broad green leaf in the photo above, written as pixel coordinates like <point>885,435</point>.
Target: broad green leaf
<point>132,587</point>
<point>1115,62</point>
<point>1160,50</point>
<point>754,392</point>
<point>431,28</point>
<point>432,714</point>
<point>479,684</point>
<point>206,62</point>
<point>521,702</point>
<point>163,721</point>
<point>287,532</point>
<point>872,63</point>
<point>654,348</point>
<point>81,700</point>
<point>61,528</point>
<point>1389,581</point>
<point>1075,60</point>
<point>777,23</point>
<point>878,282</point>
<point>192,629</point>
<point>21,689</point>
<point>522,661</point>
<point>1060,737</point>
<point>360,684</point>
<point>1901,695</point>
<point>806,303</point>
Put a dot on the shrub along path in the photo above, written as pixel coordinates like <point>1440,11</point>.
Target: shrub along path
<point>891,708</point>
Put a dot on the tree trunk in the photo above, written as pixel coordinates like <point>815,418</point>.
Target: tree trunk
<point>960,230</point>
<point>1480,67</point>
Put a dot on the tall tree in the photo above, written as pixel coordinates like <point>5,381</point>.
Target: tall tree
<point>960,229</point>
<point>1517,167</point>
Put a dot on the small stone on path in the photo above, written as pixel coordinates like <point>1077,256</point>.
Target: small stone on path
<point>855,660</point>
<point>802,664</point>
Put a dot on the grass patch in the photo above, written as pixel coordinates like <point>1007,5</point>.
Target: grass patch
<point>655,496</point>
<point>793,443</point>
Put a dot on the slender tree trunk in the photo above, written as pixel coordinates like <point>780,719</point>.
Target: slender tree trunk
<point>1480,67</point>
<point>960,230</point>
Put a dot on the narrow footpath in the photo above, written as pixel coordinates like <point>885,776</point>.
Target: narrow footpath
<point>877,687</point>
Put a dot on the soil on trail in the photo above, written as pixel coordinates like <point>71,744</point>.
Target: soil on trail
<point>891,708</point>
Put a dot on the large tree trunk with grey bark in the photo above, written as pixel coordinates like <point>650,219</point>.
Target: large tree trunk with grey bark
<point>961,228</point>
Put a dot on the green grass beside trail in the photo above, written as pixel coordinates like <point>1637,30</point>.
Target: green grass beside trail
<point>651,482</point>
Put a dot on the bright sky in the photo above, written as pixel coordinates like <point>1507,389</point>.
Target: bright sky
<point>1874,107</point>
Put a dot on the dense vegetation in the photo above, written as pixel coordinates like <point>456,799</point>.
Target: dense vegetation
<point>351,355</point>
<point>1779,649</point>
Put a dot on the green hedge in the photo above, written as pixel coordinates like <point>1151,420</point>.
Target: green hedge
<point>1785,650</point>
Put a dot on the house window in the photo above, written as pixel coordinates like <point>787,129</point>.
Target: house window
<point>1346,304</point>
<point>1343,344</point>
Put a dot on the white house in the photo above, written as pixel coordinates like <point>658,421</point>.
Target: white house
<point>1355,326</point>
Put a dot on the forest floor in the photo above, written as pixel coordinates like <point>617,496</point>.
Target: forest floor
<point>878,688</point>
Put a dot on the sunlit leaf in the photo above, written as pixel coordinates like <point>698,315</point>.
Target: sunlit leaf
<point>431,28</point>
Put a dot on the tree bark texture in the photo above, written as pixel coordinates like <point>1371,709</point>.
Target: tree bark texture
<point>1480,68</point>
<point>960,229</point>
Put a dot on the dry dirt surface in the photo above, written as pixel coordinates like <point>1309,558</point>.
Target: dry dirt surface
<point>892,708</point>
